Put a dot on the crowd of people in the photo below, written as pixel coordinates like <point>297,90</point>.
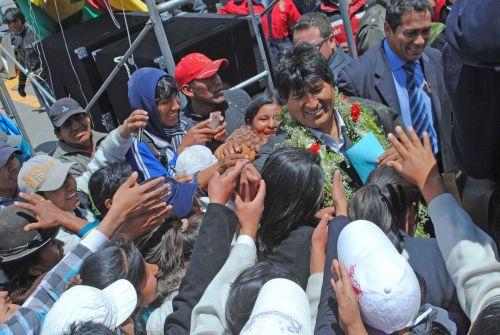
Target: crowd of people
<point>330,206</point>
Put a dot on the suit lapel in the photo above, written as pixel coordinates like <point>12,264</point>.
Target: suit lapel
<point>384,82</point>
<point>430,74</point>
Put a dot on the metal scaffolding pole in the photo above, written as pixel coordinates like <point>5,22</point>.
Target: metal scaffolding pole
<point>255,26</point>
<point>30,75</point>
<point>124,59</point>
<point>344,11</point>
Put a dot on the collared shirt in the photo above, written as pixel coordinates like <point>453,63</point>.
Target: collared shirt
<point>399,75</point>
<point>68,154</point>
<point>29,318</point>
<point>334,145</point>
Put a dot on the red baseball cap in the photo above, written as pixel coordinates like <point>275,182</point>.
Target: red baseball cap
<point>197,66</point>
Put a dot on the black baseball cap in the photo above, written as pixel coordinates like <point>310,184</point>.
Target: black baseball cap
<point>63,109</point>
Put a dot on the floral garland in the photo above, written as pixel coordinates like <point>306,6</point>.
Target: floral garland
<point>358,121</point>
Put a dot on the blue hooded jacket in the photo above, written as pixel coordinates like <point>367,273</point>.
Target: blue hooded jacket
<point>142,95</point>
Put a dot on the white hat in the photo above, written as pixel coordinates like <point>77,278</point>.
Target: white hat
<point>110,307</point>
<point>194,159</point>
<point>387,288</point>
<point>281,308</point>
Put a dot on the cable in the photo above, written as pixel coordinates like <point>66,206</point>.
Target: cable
<point>39,47</point>
<point>110,11</point>
<point>69,55</point>
<point>128,35</point>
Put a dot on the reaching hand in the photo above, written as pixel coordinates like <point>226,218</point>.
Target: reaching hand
<point>249,182</point>
<point>221,187</point>
<point>338,195</point>
<point>417,164</point>
<point>231,147</point>
<point>319,240</point>
<point>48,215</point>
<point>249,211</point>
<point>133,203</point>
<point>349,314</point>
<point>140,224</point>
<point>389,155</point>
<point>330,211</point>
<point>138,119</point>
<point>230,160</point>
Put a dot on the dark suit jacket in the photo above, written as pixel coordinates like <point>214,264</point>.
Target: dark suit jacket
<point>370,77</point>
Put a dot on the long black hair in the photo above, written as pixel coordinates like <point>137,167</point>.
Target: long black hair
<point>385,200</point>
<point>294,185</point>
<point>122,260</point>
<point>245,290</point>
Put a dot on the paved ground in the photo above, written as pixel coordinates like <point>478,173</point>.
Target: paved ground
<point>38,127</point>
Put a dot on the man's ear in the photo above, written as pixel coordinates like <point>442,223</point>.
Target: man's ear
<point>187,90</point>
<point>387,29</point>
<point>108,203</point>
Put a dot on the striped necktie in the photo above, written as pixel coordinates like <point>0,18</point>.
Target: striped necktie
<point>419,117</point>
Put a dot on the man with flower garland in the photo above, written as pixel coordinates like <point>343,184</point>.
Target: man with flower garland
<point>307,89</point>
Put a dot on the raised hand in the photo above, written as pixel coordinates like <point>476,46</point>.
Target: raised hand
<point>134,203</point>
<point>220,187</point>
<point>319,241</point>
<point>349,314</point>
<point>249,211</point>
<point>418,164</point>
<point>389,155</point>
<point>48,215</point>
<point>338,195</point>
<point>138,119</point>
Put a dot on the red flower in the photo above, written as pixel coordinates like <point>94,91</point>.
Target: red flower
<point>314,148</point>
<point>355,111</point>
<point>343,97</point>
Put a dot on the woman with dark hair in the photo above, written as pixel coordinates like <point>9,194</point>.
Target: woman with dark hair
<point>260,124</point>
<point>123,261</point>
<point>294,182</point>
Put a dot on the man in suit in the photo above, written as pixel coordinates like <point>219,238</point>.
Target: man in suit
<point>306,86</point>
<point>406,75</point>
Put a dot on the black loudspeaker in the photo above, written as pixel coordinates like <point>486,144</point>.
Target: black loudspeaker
<point>82,41</point>
<point>217,36</point>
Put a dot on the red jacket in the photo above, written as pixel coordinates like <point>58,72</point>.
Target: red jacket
<point>356,12</point>
<point>283,16</point>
